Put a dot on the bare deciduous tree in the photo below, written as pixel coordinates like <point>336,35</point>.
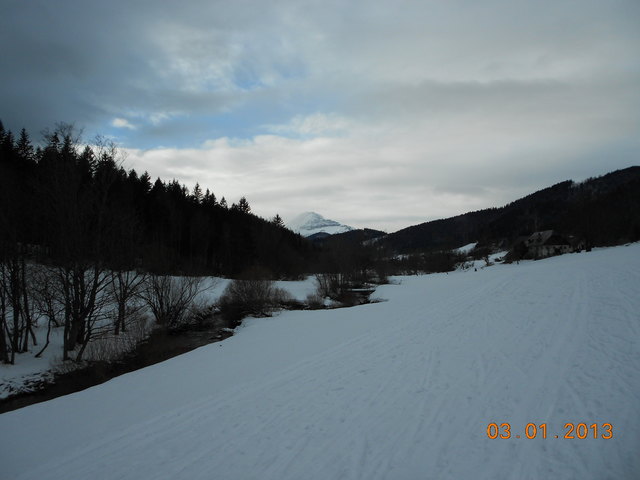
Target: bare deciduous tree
<point>332,285</point>
<point>13,282</point>
<point>84,290</point>
<point>171,298</point>
<point>46,299</point>
<point>4,347</point>
<point>125,286</point>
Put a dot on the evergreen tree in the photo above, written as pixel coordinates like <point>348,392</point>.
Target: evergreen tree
<point>277,220</point>
<point>209,199</point>
<point>24,149</point>
<point>145,182</point>
<point>243,205</point>
<point>197,194</point>
<point>158,188</point>
<point>8,147</point>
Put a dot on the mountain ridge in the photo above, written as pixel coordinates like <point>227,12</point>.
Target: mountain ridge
<point>603,210</point>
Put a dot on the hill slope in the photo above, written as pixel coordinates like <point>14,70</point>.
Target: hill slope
<point>603,210</point>
<point>402,389</point>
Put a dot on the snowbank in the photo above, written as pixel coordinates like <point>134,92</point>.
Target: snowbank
<point>466,248</point>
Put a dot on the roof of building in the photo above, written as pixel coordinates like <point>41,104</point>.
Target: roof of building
<point>538,238</point>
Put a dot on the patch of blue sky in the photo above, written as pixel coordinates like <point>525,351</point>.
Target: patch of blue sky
<point>257,116</point>
<point>193,130</point>
<point>248,77</point>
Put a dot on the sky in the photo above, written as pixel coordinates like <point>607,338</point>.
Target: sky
<point>379,114</point>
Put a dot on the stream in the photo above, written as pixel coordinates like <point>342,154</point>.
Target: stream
<point>160,346</point>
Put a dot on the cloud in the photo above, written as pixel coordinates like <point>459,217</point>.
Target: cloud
<point>314,125</point>
<point>122,123</point>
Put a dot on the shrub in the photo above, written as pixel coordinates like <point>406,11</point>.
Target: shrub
<point>332,285</point>
<point>252,295</point>
<point>171,299</point>
<point>110,347</point>
<point>315,301</point>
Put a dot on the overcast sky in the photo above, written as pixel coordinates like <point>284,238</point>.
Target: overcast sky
<point>377,114</point>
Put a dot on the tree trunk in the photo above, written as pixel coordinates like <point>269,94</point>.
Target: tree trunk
<point>4,353</point>
<point>46,343</point>
<point>69,340</point>
<point>26,311</point>
<point>120,323</point>
<point>15,306</point>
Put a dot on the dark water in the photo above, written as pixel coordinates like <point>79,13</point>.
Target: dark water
<point>160,346</point>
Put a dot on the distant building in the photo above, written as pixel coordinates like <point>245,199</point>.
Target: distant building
<point>548,243</point>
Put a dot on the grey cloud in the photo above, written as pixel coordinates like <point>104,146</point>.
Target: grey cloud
<point>142,55</point>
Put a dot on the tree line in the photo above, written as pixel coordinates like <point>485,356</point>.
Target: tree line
<point>67,200</point>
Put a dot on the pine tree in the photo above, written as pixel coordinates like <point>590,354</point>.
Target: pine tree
<point>158,187</point>
<point>277,220</point>
<point>145,182</point>
<point>209,199</point>
<point>8,146</point>
<point>243,205</point>
<point>24,148</point>
<point>197,193</point>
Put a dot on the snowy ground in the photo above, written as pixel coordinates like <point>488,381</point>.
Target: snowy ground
<point>466,248</point>
<point>298,289</point>
<point>397,390</point>
<point>481,263</point>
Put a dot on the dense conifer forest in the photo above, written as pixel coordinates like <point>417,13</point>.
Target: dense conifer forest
<point>65,201</point>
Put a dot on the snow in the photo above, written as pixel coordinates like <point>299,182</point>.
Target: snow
<point>30,370</point>
<point>310,223</point>
<point>402,389</point>
<point>473,265</point>
<point>466,248</point>
<point>297,289</point>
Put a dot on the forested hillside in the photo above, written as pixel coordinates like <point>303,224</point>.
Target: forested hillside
<point>66,201</point>
<point>602,210</point>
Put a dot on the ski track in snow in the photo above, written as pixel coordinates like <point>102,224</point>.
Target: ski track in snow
<point>398,390</point>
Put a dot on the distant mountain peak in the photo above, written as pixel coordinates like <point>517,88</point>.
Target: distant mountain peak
<point>311,223</point>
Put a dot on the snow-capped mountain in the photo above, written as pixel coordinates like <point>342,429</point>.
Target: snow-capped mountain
<point>311,223</point>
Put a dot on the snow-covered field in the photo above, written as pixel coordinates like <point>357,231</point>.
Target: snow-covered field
<point>403,389</point>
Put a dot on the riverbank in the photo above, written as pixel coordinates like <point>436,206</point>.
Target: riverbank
<point>161,345</point>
